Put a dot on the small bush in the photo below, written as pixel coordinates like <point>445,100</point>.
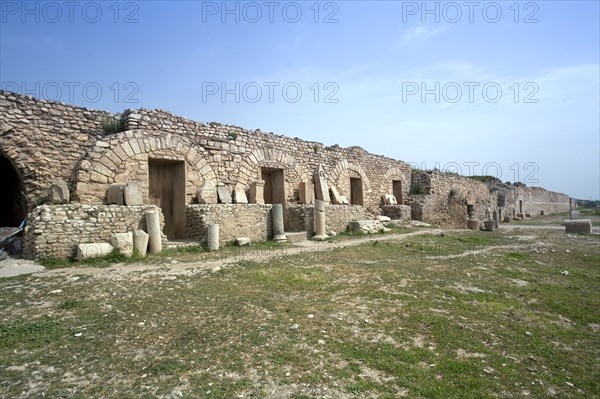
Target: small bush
<point>113,124</point>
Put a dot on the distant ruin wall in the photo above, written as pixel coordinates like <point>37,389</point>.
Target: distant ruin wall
<point>56,230</point>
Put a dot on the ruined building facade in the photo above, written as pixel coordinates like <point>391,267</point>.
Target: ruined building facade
<point>170,158</point>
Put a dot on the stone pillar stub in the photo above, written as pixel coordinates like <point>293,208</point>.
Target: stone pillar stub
<point>319,218</point>
<point>153,226</point>
<point>321,187</point>
<point>212,237</point>
<point>278,228</point>
<point>140,242</point>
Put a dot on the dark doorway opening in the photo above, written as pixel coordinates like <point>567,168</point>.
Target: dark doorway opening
<point>520,206</point>
<point>274,185</point>
<point>356,191</point>
<point>167,191</point>
<point>13,203</point>
<point>397,190</point>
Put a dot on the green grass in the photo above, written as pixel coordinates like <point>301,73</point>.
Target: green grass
<point>381,319</point>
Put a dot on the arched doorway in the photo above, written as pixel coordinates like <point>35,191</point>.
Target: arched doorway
<point>13,203</point>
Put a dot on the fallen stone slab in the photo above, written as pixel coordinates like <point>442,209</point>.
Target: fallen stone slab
<point>123,242</point>
<point>132,194</point>
<point>93,250</point>
<point>140,242</point>
<point>366,226</point>
<point>578,226</point>
<point>241,241</point>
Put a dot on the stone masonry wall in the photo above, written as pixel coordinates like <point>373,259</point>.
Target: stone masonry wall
<point>234,220</point>
<point>55,230</point>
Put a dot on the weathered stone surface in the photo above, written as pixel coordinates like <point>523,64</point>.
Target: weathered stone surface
<point>257,192</point>
<point>239,196</point>
<point>278,229</point>
<point>59,192</point>
<point>123,242</point>
<point>132,194</point>
<point>140,242</point>
<point>153,228</point>
<point>490,225</point>
<point>397,212</point>
<point>207,193</point>
<point>93,250</point>
<point>384,218</point>
<point>366,226</point>
<point>319,218</point>
<point>578,226</point>
<point>114,194</point>
<point>389,199</point>
<point>321,187</point>
<point>212,237</point>
<point>344,200</point>
<point>224,195</point>
<point>307,193</point>
<point>334,196</point>
<point>473,224</point>
<point>241,241</point>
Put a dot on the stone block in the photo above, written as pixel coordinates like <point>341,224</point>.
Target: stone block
<point>123,242</point>
<point>334,196</point>
<point>132,194</point>
<point>344,200</point>
<point>224,195</point>
<point>94,250</point>
<point>321,187</point>
<point>384,218</point>
<point>578,226</point>
<point>389,199</point>
<point>307,193</point>
<point>490,225</point>
<point>257,192</point>
<point>473,224</point>
<point>241,241</point>
<point>114,194</point>
<point>207,194</point>
<point>239,196</point>
<point>140,242</point>
<point>366,226</point>
<point>59,192</point>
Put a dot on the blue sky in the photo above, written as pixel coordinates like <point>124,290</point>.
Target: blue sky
<point>508,88</point>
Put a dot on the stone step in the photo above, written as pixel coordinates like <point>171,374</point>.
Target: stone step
<point>296,236</point>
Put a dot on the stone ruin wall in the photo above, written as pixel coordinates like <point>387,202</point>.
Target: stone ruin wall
<point>47,141</point>
<point>55,230</point>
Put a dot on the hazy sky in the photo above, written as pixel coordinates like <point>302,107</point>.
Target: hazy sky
<point>509,88</point>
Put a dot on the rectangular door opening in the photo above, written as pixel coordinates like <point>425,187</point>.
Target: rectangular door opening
<point>356,191</point>
<point>274,185</point>
<point>167,191</point>
<point>397,190</point>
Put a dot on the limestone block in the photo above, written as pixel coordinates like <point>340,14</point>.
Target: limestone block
<point>307,192</point>
<point>140,242</point>
<point>123,242</point>
<point>389,199</point>
<point>473,224</point>
<point>578,226</point>
<point>239,196</point>
<point>366,226</point>
<point>321,187</point>
<point>207,193</point>
<point>490,225</point>
<point>334,196</point>
<point>59,193</point>
<point>224,195</point>
<point>241,241</point>
<point>384,218</point>
<point>344,200</point>
<point>132,194</point>
<point>94,250</point>
<point>257,192</point>
<point>114,194</point>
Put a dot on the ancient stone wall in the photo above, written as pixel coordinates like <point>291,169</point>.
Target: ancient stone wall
<point>234,220</point>
<point>55,230</point>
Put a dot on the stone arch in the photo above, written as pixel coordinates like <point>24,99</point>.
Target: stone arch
<point>391,174</point>
<point>344,169</point>
<point>13,200</point>
<point>250,170</point>
<point>124,156</point>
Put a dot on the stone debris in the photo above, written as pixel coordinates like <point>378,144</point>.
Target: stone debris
<point>366,226</point>
<point>241,241</point>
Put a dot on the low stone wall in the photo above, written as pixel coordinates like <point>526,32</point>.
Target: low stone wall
<point>234,220</point>
<point>56,230</point>
<point>337,217</point>
<point>396,212</point>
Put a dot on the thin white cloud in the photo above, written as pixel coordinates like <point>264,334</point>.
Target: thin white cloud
<point>420,33</point>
